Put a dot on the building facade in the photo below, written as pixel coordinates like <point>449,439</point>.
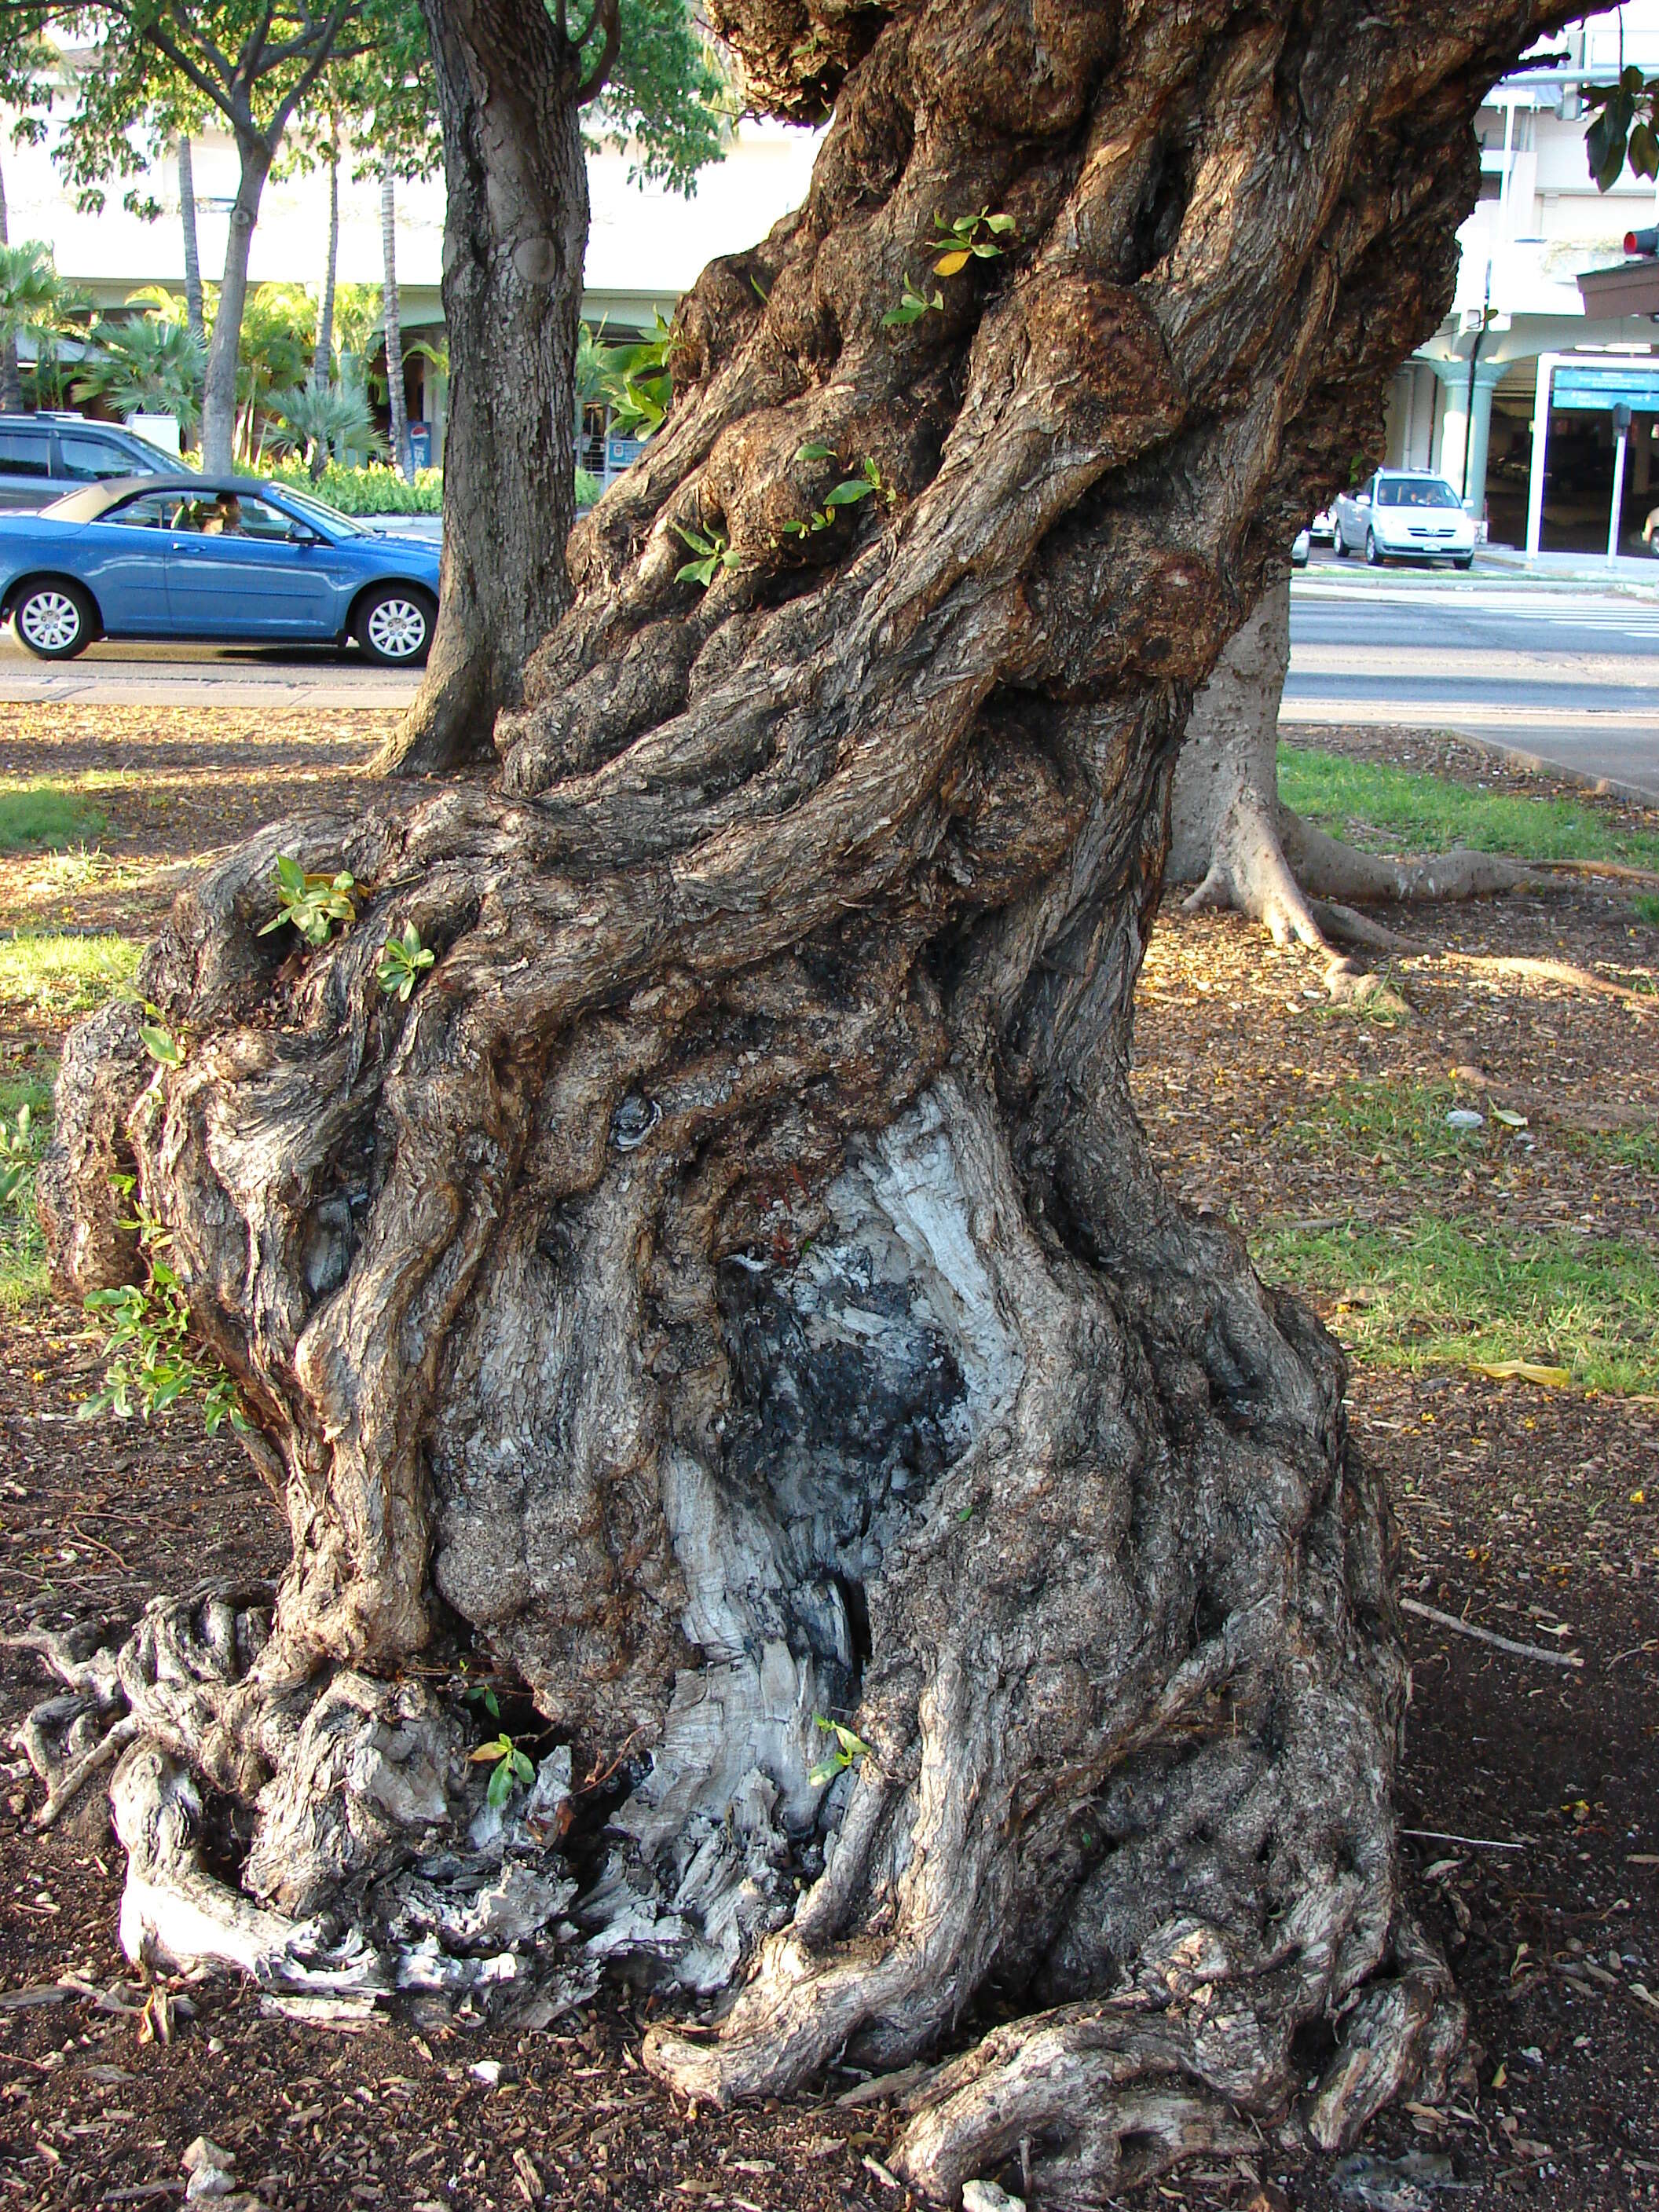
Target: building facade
<point>1465,403</point>
<point>646,245</point>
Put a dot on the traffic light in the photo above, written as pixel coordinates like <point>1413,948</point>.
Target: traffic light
<point>1642,242</point>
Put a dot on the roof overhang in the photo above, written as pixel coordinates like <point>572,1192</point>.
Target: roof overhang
<point>1631,287</point>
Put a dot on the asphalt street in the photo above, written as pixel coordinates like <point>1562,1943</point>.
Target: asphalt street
<point>300,679</point>
<point>1564,670</point>
<point>1568,672</point>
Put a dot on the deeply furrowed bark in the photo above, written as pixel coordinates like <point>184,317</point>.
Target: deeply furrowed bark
<point>734,1293</point>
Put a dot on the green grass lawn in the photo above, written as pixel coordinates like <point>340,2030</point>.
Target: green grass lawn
<point>1448,1293</point>
<point>37,815</point>
<point>1405,1124</point>
<point>1403,811</point>
<point>22,1250</point>
<point>1447,1286</point>
<point>54,973</point>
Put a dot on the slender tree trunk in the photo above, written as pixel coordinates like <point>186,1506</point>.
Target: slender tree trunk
<point>396,397</point>
<point>515,233</point>
<point>322,359</point>
<point>219,384</point>
<point>11,383</point>
<point>194,320</point>
<point>733,1291</point>
<point>1234,838</point>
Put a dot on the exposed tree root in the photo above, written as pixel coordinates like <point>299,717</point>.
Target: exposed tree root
<point>1562,972</point>
<point>1246,851</point>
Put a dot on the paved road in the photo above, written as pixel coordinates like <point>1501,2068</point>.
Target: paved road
<point>292,681</point>
<point>1567,672</point>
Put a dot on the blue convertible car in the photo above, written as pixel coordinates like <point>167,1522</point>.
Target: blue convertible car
<point>235,560</point>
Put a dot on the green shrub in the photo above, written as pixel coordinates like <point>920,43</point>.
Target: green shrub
<point>373,490</point>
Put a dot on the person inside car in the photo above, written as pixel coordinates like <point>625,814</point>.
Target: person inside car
<point>224,517</point>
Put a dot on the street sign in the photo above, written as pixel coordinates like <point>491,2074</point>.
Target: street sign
<point>1594,386</point>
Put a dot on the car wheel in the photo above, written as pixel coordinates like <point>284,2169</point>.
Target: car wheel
<point>1463,560</point>
<point>54,620</point>
<point>1340,544</point>
<point>394,626</point>
<point>1373,553</point>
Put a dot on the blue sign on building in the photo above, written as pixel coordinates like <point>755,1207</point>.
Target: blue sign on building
<point>1588,387</point>
<point>621,453</point>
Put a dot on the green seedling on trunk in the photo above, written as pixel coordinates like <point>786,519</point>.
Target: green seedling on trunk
<point>713,553</point>
<point>851,490</point>
<point>148,1365</point>
<point>510,1766</point>
<point>402,959</point>
<point>847,1748</point>
<point>314,903</point>
<point>961,239</point>
<point>912,306</point>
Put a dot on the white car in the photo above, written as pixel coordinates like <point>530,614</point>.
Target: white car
<point>1404,514</point>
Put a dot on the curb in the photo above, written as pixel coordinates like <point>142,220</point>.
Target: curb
<point>1601,786</point>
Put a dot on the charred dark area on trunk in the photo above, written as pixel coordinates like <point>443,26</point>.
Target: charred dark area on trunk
<point>732,1296</point>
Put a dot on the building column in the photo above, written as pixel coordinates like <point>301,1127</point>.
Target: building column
<point>1466,430</point>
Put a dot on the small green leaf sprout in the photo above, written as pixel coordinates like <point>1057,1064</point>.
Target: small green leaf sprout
<point>163,1048</point>
<point>713,553</point>
<point>402,959</point>
<point>847,1750</point>
<point>965,238</point>
<point>148,1362</point>
<point>912,306</point>
<point>481,1693</point>
<point>510,1766</point>
<point>314,903</point>
<point>17,1160</point>
<point>847,493</point>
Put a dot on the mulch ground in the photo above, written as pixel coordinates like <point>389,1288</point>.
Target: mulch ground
<point>1535,1787</point>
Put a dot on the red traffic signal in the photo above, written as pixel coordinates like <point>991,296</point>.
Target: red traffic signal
<point>1642,242</point>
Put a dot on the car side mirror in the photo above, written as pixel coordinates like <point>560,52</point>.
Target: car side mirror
<point>1362,499</point>
<point>299,534</point>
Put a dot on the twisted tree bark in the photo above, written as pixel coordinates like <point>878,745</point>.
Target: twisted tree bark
<point>732,1295</point>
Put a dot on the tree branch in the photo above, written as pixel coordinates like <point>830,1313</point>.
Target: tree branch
<point>609,12</point>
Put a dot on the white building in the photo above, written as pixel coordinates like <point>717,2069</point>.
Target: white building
<point>646,245</point>
<point>1465,403</point>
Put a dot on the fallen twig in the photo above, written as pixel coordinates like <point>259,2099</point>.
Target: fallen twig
<point>1488,1636</point>
<point>1474,1843</point>
<point>64,1790</point>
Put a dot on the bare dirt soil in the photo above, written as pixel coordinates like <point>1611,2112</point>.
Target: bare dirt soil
<point>1530,1790</point>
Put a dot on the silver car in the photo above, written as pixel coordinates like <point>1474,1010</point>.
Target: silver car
<point>1404,514</point>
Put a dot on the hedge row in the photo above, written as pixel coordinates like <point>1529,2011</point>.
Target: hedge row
<point>373,490</point>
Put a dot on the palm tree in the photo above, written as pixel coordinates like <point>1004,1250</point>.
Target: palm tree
<point>394,333</point>
<point>31,299</point>
<point>12,384</point>
<point>321,419</point>
<point>322,360</point>
<point>149,366</point>
<point>195,320</point>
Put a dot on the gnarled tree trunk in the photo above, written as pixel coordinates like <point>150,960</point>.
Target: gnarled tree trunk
<point>732,1295</point>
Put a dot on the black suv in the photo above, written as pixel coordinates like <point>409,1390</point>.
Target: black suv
<point>43,456</point>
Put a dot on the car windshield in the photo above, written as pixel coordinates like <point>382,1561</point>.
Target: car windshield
<point>1415,491</point>
<point>318,510</point>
